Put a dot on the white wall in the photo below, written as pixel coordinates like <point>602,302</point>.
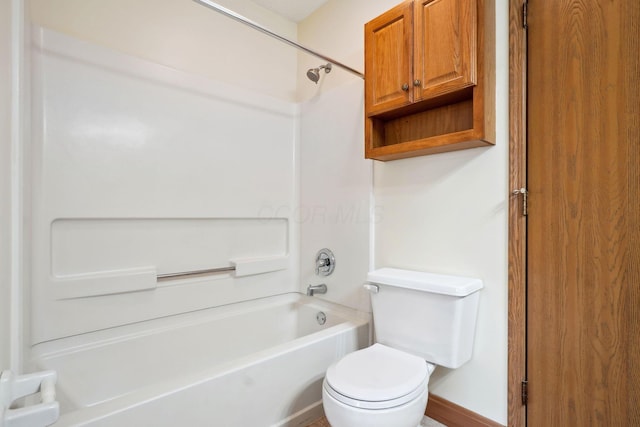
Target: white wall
<point>183,35</point>
<point>5,182</point>
<point>13,149</point>
<point>163,134</point>
<point>444,213</point>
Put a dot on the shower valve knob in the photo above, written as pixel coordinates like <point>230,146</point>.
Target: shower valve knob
<point>325,262</point>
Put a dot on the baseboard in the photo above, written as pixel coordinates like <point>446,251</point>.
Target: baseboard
<point>453,415</point>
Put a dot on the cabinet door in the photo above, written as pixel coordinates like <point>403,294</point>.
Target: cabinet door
<point>388,64</point>
<point>445,47</point>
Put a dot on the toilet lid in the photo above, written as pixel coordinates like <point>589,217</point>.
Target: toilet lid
<point>377,373</point>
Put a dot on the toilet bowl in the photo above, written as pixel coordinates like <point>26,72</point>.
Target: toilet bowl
<point>376,387</point>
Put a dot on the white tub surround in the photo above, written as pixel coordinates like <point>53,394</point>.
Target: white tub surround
<point>140,171</point>
<point>259,362</point>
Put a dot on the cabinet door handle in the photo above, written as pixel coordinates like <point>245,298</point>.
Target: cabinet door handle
<point>417,82</point>
<point>405,87</point>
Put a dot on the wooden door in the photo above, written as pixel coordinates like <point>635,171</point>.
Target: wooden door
<point>388,62</point>
<point>445,47</point>
<point>583,260</point>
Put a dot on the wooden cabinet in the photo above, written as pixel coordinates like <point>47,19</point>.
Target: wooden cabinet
<point>430,78</point>
<point>445,46</point>
<point>388,59</point>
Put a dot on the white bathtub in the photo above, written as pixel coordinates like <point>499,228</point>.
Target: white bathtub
<point>252,364</point>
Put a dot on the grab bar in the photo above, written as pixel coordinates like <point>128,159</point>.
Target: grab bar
<point>147,278</point>
<point>169,276</point>
<point>241,267</point>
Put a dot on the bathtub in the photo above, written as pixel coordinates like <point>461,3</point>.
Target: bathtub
<point>251,364</point>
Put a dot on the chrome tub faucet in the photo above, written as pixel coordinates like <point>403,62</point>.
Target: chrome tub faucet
<point>316,289</point>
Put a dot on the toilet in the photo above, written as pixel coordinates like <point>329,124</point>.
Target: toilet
<point>421,320</point>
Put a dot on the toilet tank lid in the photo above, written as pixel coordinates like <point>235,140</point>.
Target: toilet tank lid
<point>426,282</point>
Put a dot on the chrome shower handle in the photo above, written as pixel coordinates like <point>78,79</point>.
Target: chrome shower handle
<point>325,262</point>
<point>322,264</point>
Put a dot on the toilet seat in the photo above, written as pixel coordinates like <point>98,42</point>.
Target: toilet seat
<point>377,377</point>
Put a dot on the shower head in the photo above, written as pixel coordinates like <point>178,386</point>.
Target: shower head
<point>314,73</point>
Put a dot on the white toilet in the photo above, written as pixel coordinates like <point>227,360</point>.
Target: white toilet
<point>421,320</point>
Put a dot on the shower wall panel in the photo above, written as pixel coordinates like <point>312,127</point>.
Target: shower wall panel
<point>140,167</point>
<point>335,180</point>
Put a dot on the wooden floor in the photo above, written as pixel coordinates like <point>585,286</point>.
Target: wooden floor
<point>322,422</point>
<point>426,422</point>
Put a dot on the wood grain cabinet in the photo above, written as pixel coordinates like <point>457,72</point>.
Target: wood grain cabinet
<point>430,78</point>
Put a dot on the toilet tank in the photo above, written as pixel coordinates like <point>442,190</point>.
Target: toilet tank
<point>432,316</point>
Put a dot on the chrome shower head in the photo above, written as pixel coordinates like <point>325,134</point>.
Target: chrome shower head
<point>314,73</point>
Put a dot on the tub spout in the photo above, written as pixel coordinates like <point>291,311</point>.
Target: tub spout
<point>316,289</point>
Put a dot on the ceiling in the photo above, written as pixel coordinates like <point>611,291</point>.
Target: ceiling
<point>294,10</point>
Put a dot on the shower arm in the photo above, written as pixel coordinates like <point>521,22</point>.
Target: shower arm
<point>255,26</point>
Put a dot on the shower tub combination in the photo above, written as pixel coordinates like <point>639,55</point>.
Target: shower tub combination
<point>254,363</point>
